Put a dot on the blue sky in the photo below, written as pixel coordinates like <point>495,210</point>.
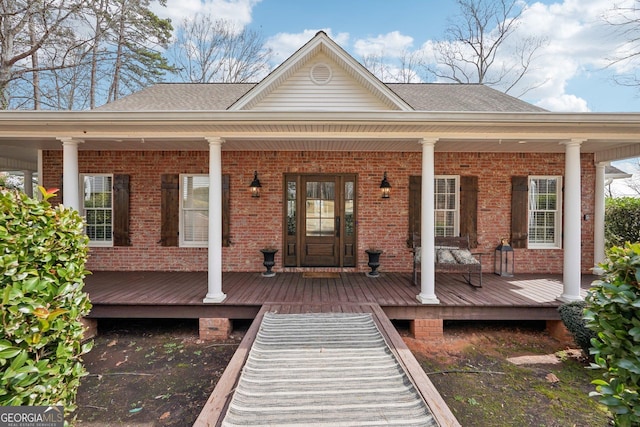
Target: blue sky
<point>572,66</point>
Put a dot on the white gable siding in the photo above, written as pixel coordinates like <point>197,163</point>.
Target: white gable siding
<point>300,93</point>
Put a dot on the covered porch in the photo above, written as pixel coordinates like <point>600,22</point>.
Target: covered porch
<point>179,295</point>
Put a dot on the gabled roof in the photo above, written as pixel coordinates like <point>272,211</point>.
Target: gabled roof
<point>321,45</point>
<point>431,97</point>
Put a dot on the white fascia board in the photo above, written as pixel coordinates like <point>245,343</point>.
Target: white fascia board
<point>43,118</point>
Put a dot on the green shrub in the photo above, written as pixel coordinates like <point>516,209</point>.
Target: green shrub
<point>622,221</point>
<point>43,251</point>
<point>613,312</point>
<point>572,315</point>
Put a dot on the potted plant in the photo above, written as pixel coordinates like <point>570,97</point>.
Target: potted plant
<point>269,255</point>
<point>374,261</point>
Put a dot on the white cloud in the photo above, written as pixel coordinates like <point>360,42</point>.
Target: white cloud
<point>284,45</point>
<point>236,11</point>
<point>564,103</point>
<point>579,41</point>
<point>391,45</point>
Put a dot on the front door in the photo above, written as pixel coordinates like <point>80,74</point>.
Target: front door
<point>320,220</point>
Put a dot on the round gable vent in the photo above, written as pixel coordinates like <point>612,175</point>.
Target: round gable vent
<point>320,74</point>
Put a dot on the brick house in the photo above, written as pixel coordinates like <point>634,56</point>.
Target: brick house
<point>320,133</point>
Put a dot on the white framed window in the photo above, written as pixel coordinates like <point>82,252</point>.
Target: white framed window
<point>97,208</point>
<point>545,212</point>
<point>194,210</point>
<point>447,205</point>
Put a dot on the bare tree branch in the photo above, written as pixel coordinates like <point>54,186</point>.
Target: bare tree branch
<point>475,50</point>
<point>207,50</point>
<point>26,28</point>
<point>625,22</point>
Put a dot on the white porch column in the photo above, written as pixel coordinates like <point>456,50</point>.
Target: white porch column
<point>214,285</point>
<point>598,220</point>
<point>70,173</point>
<point>40,167</point>
<point>427,231</point>
<point>27,177</point>
<point>572,223</point>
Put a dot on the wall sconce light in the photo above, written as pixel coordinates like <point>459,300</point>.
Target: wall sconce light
<point>255,185</point>
<point>385,187</point>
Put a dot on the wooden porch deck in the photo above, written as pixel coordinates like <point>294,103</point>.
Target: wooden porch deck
<point>180,294</point>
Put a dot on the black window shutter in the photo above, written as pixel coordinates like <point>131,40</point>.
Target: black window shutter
<point>226,213</point>
<point>415,201</point>
<point>519,211</point>
<point>170,207</point>
<point>469,209</point>
<point>121,236</point>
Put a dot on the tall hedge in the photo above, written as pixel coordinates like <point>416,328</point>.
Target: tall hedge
<point>622,221</point>
<point>43,250</point>
<point>613,312</point>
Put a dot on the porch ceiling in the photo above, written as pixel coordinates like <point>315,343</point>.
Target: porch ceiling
<point>610,136</point>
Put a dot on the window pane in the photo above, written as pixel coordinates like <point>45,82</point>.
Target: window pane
<point>348,190</point>
<point>97,205</point>
<point>291,208</point>
<point>291,190</point>
<point>313,208</point>
<point>451,201</point>
<point>327,226</point>
<point>195,209</point>
<point>327,208</point>
<point>348,208</point>
<point>320,208</point>
<point>313,226</point>
<point>291,217</point>
<point>195,192</point>
<point>196,226</point>
<point>328,190</point>
<point>446,210</point>
<point>313,190</point>
<point>543,210</point>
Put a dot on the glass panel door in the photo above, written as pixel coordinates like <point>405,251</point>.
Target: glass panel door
<point>320,242</point>
<point>320,214</point>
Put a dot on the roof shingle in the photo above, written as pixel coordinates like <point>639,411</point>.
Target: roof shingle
<point>220,96</point>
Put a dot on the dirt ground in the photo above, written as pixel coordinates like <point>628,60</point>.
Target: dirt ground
<point>151,373</point>
<point>510,374</point>
<point>158,373</point>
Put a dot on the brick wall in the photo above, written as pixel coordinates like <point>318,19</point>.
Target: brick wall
<point>256,223</point>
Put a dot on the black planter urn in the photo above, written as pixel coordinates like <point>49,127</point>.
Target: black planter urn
<point>269,261</point>
<point>374,262</point>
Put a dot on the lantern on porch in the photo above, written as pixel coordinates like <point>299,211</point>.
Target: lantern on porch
<point>255,185</point>
<point>504,259</point>
<point>385,187</point>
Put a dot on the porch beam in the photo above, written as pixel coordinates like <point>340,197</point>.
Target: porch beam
<point>214,263</point>
<point>598,219</point>
<point>427,231</point>
<point>70,173</point>
<point>572,223</point>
